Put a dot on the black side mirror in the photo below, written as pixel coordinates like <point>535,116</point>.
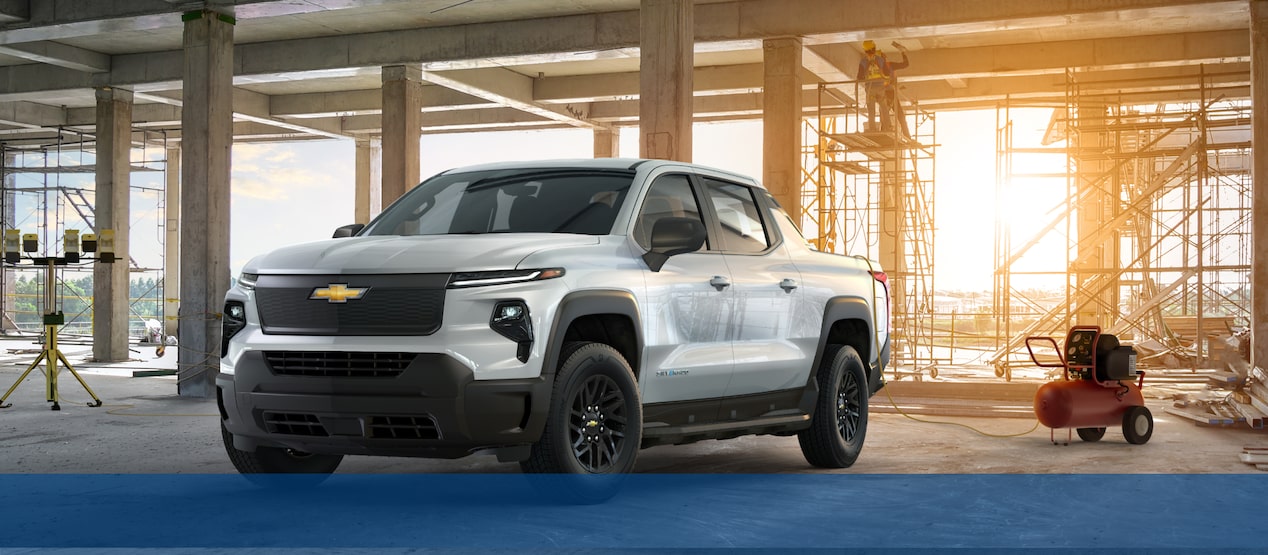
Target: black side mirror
<point>347,230</point>
<point>673,236</point>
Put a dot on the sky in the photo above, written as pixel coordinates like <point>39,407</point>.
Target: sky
<point>288,193</point>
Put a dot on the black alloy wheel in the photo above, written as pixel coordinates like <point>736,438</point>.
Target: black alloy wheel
<point>597,424</point>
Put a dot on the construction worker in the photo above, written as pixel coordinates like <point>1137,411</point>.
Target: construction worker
<point>876,73</point>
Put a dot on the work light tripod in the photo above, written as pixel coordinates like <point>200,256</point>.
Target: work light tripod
<point>50,355</point>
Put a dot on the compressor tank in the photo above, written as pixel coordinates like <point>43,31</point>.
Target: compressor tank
<point>1085,403</point>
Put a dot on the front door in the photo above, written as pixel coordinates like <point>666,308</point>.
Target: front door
<point>687,310</point>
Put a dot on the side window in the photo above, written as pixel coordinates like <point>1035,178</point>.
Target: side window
<point>738,216</point>
<point>670,196</point>
<point>780,213</point>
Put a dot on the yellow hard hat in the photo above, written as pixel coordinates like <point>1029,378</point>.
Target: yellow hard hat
<point>868,46</point>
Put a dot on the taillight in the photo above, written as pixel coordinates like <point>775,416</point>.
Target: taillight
<point>881,277</point>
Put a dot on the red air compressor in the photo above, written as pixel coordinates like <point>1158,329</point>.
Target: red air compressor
<point>1097,390</point>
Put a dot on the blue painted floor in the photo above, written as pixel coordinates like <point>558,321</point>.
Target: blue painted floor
<point>785,512</point>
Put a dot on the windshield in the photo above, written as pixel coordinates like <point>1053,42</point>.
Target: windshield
<point>509,201</point>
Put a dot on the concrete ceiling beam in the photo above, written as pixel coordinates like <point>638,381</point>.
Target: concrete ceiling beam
<point>618,86</point>
<point>58,54</point>
<point>825,21</point>
<point>615,34</point>
<point>1055,56</point>
<point>64,19</point>
<point>511,89</point>
<point>253,107</point>
<point>367,102</point>
<point>487,118</point>
<point>143,115</point>
<point>956,66</point>
<point>13,11</point>
<point>31,115</point>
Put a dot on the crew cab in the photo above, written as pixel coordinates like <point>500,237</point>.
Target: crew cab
<point>558,314</point>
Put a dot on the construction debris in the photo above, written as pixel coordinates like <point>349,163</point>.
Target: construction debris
<point>1246,402</point>
<point>1256,456</point>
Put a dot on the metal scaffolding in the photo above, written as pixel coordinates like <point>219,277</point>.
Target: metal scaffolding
<point>48,188</point>
<point>870,192</point>
<point>1154,220</point>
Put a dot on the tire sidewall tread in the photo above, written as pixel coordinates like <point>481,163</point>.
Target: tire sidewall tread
<point>821,443</point>
<point>552,453</point>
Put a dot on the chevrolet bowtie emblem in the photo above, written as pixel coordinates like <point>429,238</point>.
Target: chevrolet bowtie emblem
<point>338,293</point>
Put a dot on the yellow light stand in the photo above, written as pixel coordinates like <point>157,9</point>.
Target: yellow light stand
<point>53,318</point>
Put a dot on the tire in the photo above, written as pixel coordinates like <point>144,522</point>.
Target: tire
<point>277,460</point>
<point>1138,425</point>
<point>839,424</point>
<point>595,400</point>
<point>1091,434</point>
<point>595,425</point>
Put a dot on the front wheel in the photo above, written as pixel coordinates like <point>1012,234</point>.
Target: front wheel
<point>839,425</point>
<point>278,460</point>
<point>1138,425</point>
<point>594,429</point>
<point>596,418</point>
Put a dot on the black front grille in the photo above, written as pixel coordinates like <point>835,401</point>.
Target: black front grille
<point>340,364</point>
<point>402,427</point>
<point>295,424</point>
<point>410,304</point>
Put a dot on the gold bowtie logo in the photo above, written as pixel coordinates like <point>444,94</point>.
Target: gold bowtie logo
<point>338,293</point>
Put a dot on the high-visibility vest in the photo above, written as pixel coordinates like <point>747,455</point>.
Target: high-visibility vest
<point>876,68</point>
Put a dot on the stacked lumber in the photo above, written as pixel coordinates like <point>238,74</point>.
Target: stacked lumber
<point>1245,404</point>
<point>1255,456</point>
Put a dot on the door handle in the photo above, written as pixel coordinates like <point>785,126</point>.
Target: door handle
<point>720,282</point>
<point>788,284</point>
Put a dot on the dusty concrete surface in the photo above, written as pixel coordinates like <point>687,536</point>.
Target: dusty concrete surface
<point>145,428</point>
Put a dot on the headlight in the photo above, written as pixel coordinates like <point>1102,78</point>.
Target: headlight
<point>502,277</point>
<point>234,319</point>
<point>510,320</point>
<point>247,281</point>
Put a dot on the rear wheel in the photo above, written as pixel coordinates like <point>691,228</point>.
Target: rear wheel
<point>1138,425</point>
<point>278,460</point>
<point>1091,434</point>
<point>839,425</point>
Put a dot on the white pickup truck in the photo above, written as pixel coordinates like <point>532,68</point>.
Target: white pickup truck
<point>561,314</point>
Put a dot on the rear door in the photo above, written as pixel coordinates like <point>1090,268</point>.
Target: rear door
<point>767,288</point>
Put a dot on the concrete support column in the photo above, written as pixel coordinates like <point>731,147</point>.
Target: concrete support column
<point>781,122</point>
<point>402,126</point>
<point>666,41</point>
<point>369,201</point>
<point>1259,187</point>
<point>114,176</point>
<point>891,246</point>
<point>207,122</point>
<point>1098,253</point>
<point>8,219</point>
<point>607,143</point>
<point>172,242</point>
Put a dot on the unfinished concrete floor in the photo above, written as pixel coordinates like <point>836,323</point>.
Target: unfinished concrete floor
<point>158,482</point>
<point>145,428</point>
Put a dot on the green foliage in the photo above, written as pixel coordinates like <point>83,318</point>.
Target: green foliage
<point>144,293</point>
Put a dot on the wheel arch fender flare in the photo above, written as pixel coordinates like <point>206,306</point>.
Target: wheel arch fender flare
<point>847,308</point>
<point>590,302</point>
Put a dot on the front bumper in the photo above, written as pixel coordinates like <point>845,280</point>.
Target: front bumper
<point>433,408</point>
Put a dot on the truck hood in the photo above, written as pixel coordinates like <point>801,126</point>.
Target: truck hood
<point>412,254</point>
